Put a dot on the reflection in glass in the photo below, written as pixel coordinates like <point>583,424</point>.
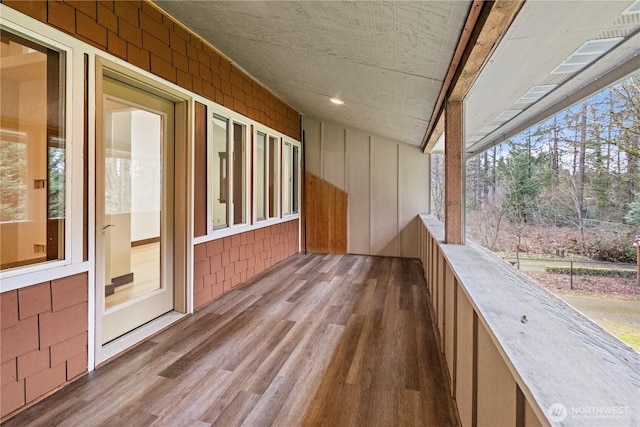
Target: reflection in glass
<point>239,174</point>
<point>260,175</point>
<point>32,153</point>
<point>272,176</point>
<point>220,184</point>
<point>133,201</point>
<point>286,179</point>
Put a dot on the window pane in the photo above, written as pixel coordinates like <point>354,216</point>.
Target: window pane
<point>272,176</point>
<point>32,153</point>
<point>219,168</point>
<point>286,179</point>
<point>294,185</point>
<point>239,174</point>
<point>260,175</point>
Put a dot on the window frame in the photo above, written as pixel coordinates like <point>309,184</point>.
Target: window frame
<point>277,173</point>
<point>251,127</point>
<point>213,159</point>
<point>269,135</point>
<point>295,195</point>
<point>73,110</point>
<point>256,186</point>
<point>248,167</point>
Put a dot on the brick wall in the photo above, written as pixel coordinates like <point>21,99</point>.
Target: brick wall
<point>139,33</point>
<point>221,264</point>
<point>43,331</point>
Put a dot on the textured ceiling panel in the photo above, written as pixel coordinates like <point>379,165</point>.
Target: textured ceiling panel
<point>385,59</point>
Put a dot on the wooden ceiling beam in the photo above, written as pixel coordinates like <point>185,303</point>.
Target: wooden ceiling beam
<point>487,23</point>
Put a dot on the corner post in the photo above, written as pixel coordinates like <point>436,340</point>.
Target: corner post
<point>454,173</point>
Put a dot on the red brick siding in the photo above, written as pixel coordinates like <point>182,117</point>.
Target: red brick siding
<point>224,263</point>
<point>142,35</point>
<point>44,339</point>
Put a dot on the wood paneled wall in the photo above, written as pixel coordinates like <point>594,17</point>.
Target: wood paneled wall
<point>325,208</point>
<point>387,183</point>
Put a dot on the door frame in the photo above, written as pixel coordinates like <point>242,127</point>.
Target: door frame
<point>182,205</point>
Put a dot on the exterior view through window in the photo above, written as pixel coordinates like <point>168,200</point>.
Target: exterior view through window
<point>561,202</point>
<point>261,170</point>
<point>219,165</point>
<point>290,160</point>
<point>272,176</point>
<point>248,183</point>
<point>239,173</point>
<point>32,153</point>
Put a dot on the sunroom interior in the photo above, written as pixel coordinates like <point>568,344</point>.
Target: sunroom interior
<point>255,136</point>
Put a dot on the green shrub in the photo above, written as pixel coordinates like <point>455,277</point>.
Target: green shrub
<point>591,271</point>
<point>608,246</point>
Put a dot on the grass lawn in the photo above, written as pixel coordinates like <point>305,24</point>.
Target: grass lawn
<point>618,315</point>
<point>624,331</point>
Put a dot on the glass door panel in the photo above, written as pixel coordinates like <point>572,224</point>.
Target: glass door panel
<point>136,195</point>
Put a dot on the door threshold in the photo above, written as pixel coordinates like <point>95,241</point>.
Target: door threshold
<point>117,346</point>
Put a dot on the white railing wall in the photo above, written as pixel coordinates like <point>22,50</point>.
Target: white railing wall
<point>515,354</point>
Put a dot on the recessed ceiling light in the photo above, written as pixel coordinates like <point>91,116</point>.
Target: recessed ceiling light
<point>336,101</point>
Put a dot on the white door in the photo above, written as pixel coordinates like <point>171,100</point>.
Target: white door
<point>134,208</point>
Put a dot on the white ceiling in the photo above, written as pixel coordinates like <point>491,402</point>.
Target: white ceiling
<point>541,37</point>
<point>385,59</point>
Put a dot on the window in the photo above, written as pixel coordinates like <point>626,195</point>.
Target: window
<point>253,174</point>
<point>272,176</point>
<point>295,179</point>
<point>32,152</point>
<point>550,196</point>
<point>261,169</point>
<point>239,174</point>
<point>220,184</point>
<point>290,178</point>
<point>266,173</point>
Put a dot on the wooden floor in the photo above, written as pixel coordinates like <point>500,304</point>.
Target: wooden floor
<point>317,340</point>
<point>145,266</point>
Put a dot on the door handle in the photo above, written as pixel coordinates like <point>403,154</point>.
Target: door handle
<point>107,226</point>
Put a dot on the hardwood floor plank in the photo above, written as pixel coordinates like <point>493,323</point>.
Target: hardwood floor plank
<point>318,340</point>
<point>300,312</point>
<point>409,345</point>
<point>269,369</point>
<point>269,406</point>
<point>362,364</point>
<point>133,418</point>
<point>308,371</point>
<point>191,405</point>
<point>171,339</point>
<point>245,371</point>
<point>49,415</point>
<point>231,326</point>
<point>237,410</point>
<point>168,393</point>
<point>329,263</point>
